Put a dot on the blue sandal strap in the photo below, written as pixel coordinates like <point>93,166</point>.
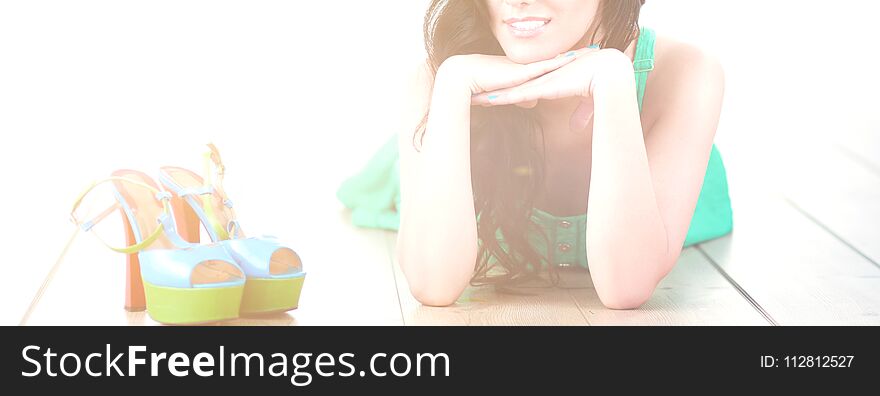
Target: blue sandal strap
<point>174,267</point>
<point>254,256</point>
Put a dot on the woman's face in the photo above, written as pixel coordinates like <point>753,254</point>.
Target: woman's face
<point>533,30</point>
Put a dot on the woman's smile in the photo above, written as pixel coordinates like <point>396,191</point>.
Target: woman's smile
<point>531,31</point>
<point>527,27</point>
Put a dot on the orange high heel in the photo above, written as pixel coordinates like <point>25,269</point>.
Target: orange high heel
<point>176,282</point>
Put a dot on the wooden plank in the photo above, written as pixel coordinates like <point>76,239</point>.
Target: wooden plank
<point>837,192</point>
<point>485,306</point>
<point>349,282</point>
<point>795,270</point>
<point>694,293</point>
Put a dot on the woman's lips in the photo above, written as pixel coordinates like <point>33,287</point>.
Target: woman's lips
<point>526,27</point>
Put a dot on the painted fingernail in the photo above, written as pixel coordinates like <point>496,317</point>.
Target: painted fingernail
<point>570,53</point>
<point>493,97</point>
<point>593,46</point>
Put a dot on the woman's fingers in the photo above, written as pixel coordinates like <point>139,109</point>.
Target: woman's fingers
<point>527,87</point>
<point>537,69</point>
<point>534,70</point>
<point>530,91</point>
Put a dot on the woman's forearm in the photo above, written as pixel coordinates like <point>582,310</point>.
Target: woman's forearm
<point>437,240</point>
<point>626,237</point>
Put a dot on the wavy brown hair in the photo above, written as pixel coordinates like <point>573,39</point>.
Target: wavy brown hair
<point>506,166</point>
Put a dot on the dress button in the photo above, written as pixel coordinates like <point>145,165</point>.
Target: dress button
<point>565,224</point>
<point>563,247</point>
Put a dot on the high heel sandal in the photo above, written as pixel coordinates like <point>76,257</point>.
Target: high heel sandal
<point>177,282</point>
<point>274,271</point>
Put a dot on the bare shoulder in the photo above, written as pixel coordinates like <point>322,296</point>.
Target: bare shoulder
<point>683,72</point>
<point>678,59</point>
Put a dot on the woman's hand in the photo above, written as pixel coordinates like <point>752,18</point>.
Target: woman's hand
<point>572,79</point>
<point>575,79</point>
<point>484,73</point>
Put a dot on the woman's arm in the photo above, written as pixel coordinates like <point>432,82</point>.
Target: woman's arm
<point>437,239</point>
<point>437,243</point>
<point>644,186</point>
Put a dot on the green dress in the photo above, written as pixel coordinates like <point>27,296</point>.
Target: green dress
<point>373,194</point>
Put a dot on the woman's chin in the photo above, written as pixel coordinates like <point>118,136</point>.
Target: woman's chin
<point>526,55</point>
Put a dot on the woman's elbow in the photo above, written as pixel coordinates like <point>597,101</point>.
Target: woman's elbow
<point>432,288</point>
<point>427,290</point>
<point>622,288</point>
<point>626,298</point>
<point>624,282</point>
<point>434,296</point>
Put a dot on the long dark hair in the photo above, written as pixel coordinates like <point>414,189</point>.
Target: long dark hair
<point>506,168</point>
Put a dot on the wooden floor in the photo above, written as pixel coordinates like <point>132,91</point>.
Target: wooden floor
<point>804,251</point>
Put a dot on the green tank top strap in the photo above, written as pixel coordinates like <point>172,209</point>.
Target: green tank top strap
<point>643,61</point>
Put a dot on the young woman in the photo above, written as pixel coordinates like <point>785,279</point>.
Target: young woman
<point>539,149</point>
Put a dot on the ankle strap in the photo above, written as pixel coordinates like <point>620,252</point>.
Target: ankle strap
<point>213,181</point>
<point>162,196</point>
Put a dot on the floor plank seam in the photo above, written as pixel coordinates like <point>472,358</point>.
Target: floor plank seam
<point>754,303</point>
<point>578,305</point>
<point>48,279</point>
<point>390,251</point>
<point>827,229</point>
<point>858,159</point>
